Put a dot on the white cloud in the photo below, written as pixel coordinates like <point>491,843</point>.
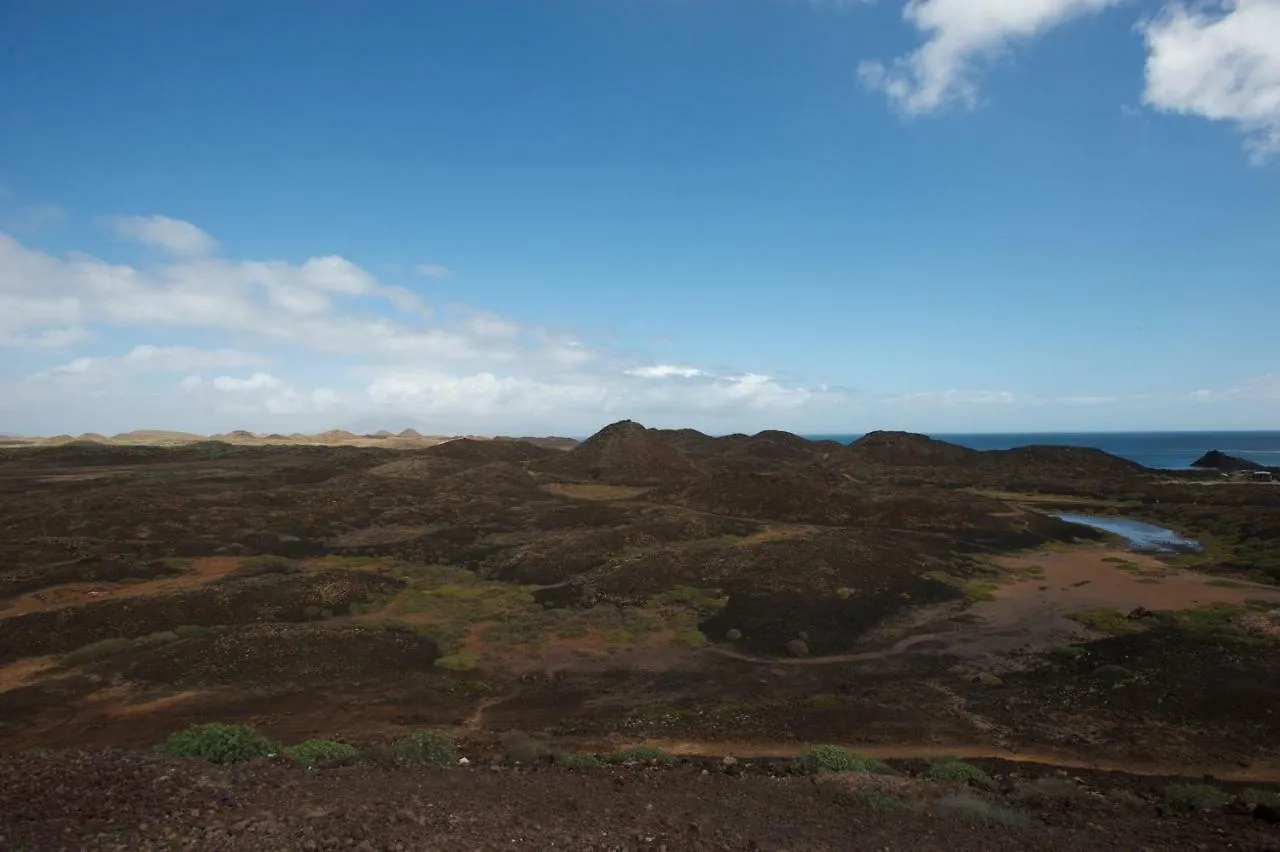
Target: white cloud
<point>258,381</point>
<point>958,34</point>
<point>171,235</point>
<point>664,371</point>
<point>433,270</point>
<point>1220,61</point>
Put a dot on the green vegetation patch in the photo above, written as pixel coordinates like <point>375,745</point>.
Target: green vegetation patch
<point>580,762</point>
<point>315,754</point>
<point>951,770</point>
<point>1198,796</point>
<point>191,631</point>
<point>650,755</point>
<point>425,748</point>
<point>824,701</point>
<point>1070,652</point>
<point>97,650</point>
<point>878,800</point>
<point>219,743</point>
<point>519,747</point>
<point>832,758</point>
<point>1223,583</point>
<point>1258,796</point>
<point>458,662</point>
<point>1211,623</point>
<point>1105,621</point>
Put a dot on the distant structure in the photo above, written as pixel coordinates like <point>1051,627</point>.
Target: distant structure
<point>1262,476</point>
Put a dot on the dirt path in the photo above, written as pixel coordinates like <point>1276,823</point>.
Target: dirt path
<point>202,570</point>
<point>900,647</point>
<point>1262,773</point>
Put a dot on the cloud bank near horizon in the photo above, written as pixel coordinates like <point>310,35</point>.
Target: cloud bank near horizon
<point>192,340</point>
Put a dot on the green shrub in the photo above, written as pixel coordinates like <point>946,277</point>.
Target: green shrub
<point>1044,791</point>
<point>1257,796</point>
<point>1126,798</point>
<point>824,702</point>
<point>950,770</point>
<point>691,638</point>
<point>97,650</point>
<point>733,635</point>
<point>580,762</point>
<point>1105,621</point>
<point>311,613</point>
<point>1070,652</point>
<point>987,679</point>
<point>191,631</point>
<point>319,753</point>
<point>426,748</point>
<point>646,754</point>
<point>970,808</point>
<point>519,747</point>
<point>1113,673</point>
<point>1198,796</point>
<point>458,662</point>
<point>885,802</point>
<point>219,743</point>
<point>158,638</point>
<point>831,758</point>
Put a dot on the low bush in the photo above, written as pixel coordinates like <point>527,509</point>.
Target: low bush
<point>252,566</point>
<point>191,631</point>
<point>580,762</point>
<point>97,651</point>
<point>458,662</point>
<point>824,701</point>
<point>733,635</point>
<point>1126,798</point>
<point>1201,797</point>
<point>970,808</point>
<point>219,743</point>
<point>1070,652</point>
<point>831,758</point>
<point>646,754</point>
<point>1105,621</point>
<point>425,748</point>
<point>988,679</point>
<point>958,772</point>
<point>878,800</point>
<point>1257,796</point>
<point>1113,673</point>
<point>314,754</point>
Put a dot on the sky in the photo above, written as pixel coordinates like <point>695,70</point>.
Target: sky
<point>543,216</point>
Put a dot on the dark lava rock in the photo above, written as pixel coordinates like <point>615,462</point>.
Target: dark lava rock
<point>1218,460</point>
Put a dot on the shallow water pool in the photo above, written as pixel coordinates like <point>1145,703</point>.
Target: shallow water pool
<point>1141,536</point>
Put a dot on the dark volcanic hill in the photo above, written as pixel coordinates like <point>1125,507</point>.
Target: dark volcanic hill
<point>1218,460</point>
<point>625,453</point>
<point>906,448</point>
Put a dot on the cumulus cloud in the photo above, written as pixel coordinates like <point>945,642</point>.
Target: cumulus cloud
<point>1220,61</point>
<point>342,344</point>
<point>663,371</point>
<point>959,33</point>
<point>170,235</point>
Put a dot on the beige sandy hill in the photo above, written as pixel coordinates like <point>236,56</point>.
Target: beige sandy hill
<point>410,433</point>
<point>155,436</point>
<point>93,437</point>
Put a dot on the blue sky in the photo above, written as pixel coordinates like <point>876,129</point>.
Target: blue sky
<point>544,215</point>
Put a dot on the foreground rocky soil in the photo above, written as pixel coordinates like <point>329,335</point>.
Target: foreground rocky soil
<point>126,801</point>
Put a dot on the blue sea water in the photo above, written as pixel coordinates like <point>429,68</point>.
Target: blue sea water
<point>1165,450</point>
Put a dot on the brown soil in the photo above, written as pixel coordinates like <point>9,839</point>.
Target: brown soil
<point>788,593</point>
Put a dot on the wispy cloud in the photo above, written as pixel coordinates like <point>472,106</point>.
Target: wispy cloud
<point>170,235</point>
<point>958,34</point>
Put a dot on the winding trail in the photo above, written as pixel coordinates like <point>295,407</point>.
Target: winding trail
<point>1265,772</point>
<point>899,647</point>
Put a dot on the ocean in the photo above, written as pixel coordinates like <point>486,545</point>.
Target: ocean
<point>1164,450</point>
